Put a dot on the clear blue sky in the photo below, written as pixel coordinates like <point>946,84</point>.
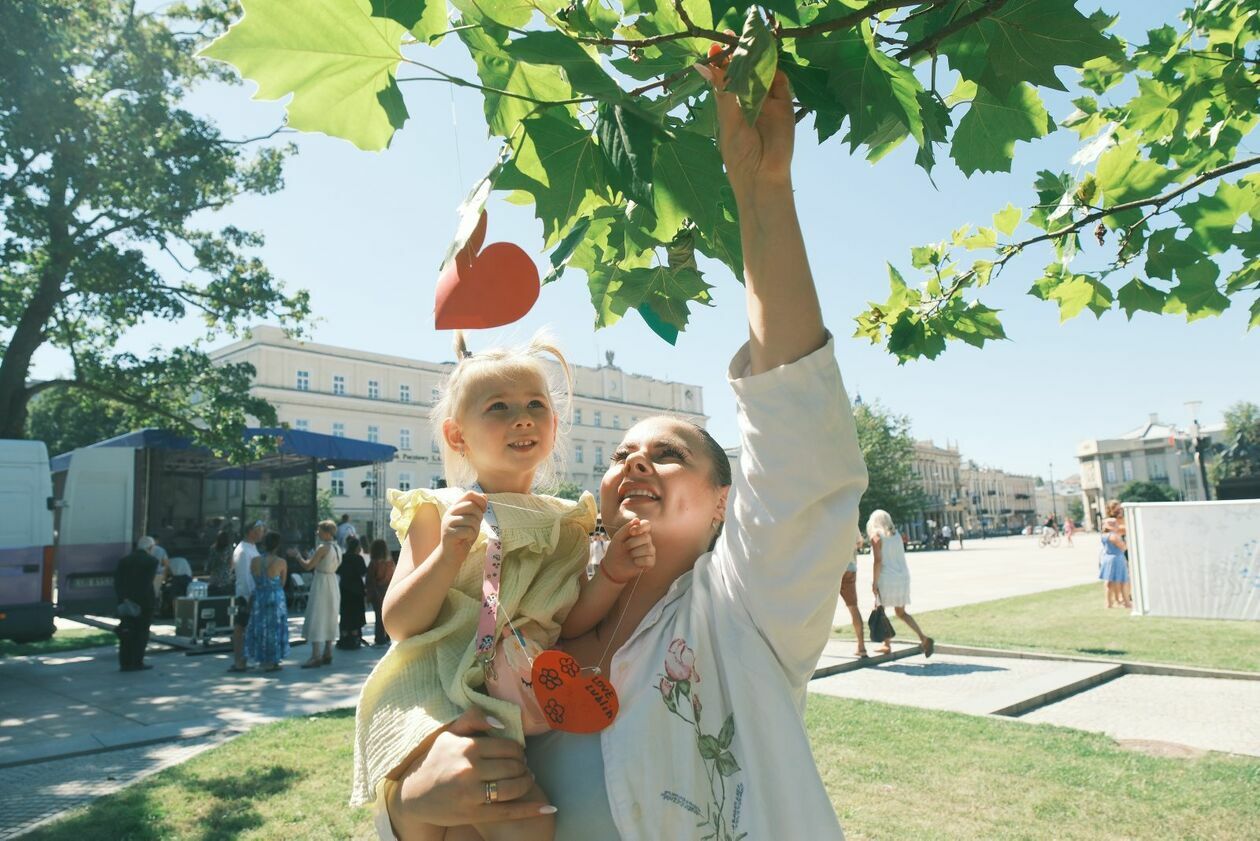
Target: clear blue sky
<point>364,232</point>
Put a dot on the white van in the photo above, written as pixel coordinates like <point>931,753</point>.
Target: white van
<point>26,541</point>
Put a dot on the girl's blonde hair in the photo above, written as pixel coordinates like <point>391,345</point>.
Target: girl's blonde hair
<point>880,522</point>
<point>518,360</point>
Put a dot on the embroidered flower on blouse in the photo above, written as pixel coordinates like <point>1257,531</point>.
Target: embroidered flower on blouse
<point>667,688</point>
<point>680,662</point>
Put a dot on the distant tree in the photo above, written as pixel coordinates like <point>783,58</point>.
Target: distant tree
<point>888,449</point>
<point>567,490</point>
<point>1241,457</point>
<point>1147,492</point>
<point>1076,510</point>
<point>65,420</point>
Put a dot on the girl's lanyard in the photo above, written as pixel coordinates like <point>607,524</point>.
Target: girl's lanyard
<point>492,570</point>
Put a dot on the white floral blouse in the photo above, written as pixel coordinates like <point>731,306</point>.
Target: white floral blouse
<point>710,740</point>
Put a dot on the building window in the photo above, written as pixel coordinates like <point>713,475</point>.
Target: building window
<point>616,421</point>
<point>302,424</point>
<point>303,380</point>
<point>404,393</point>
<point>339,384</point>
<point>404,481</point>
<point>577,417</point>
<point>435,394</point>
<point>374,434</point>
<point>374,390</point>
<point>1128,470</point>
<point>579,455</point>
<point>1157,469</point>
<point>404,439</point>
<point>338,482</point>
<point>1110,467</point>
<point>339,430</point>
<point>599,455</point>
<point>599,421</point>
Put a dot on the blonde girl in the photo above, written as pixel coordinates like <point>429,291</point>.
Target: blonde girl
<point>499,423</point>
<point>891,580</point>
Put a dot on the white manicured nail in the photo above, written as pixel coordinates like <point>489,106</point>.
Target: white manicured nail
<point>547,810</point>
<point>495,723</point>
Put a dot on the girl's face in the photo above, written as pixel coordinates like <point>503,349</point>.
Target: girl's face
<point>661,473</point>
<point>506,430</point>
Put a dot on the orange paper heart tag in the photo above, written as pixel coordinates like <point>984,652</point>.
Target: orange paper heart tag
<point>485,287</point>
<point>572,700</point>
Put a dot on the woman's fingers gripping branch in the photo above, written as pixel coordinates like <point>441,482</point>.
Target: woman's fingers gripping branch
<point>760,153</point>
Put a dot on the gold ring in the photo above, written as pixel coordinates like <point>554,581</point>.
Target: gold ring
<point>492,793</point>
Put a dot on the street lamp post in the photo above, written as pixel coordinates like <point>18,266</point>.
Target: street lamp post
<point>1054,508</point>
<point>1196,445</point>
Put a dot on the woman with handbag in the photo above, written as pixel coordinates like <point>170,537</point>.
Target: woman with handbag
<point>892,576</point>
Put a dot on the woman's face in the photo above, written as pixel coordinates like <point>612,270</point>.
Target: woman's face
<point>662,473</point>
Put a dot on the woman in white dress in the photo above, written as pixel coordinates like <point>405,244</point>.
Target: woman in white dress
<point>892,577</point>
<point>323,606</point>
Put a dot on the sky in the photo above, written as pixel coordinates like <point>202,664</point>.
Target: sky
<point>365,233</point>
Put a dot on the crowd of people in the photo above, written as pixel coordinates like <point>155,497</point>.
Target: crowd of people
<point>259,574</point>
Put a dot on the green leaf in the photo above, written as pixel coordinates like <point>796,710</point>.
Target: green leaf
<point>983,238</point>
<point>709,747</point>
<point>1165,254</point>
<point>985,138</point>
<point>557,148</point>
<point>564,249</point>
<point>976,325</point>
<point>688,183</point>
<point>910,338</point>
<point>659,325</point>
<point>1022,41</point>
<point>514,14</point>
<point>1254,322</point>
<point>336,60</point>
<point>726,764</point>
<point>628,143</point>
<point>1136,296</point>
<point>516,79</point>
<point>667,291</point>
<point>426,19</point>
<point>1212,218</point>
<point>1073,292</point>
<point>727,732</point>
<point>1007,219</point>
<point>1196,294</point>
<point>559,50</point>
<point>1124,176</point>
<point>753,64</point>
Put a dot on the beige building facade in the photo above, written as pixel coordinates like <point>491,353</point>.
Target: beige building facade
<point>997,500</point>
<point>386,399</point>
<point>938,470</point>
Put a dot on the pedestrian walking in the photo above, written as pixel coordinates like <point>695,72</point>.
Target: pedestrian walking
<point>848,594</point>
<point>323,605</point>
<point>350,577</point>
<point>1113,569</point>
<point>892,576</point>
<point>958,533</point>
<point>133,587</point>
<point>244,553</point>
<point>380,572</point>
<point>1069,529</point>
<point>267,634</point>
<point>946,536</point>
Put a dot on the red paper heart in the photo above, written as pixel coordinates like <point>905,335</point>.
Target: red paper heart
<point>486,287</point>
<point>572,700</point>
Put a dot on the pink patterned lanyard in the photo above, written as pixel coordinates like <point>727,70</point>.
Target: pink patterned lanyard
<point>488,624</point>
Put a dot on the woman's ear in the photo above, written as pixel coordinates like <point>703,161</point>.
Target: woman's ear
<point>453,435</point>
<point>721,503</point>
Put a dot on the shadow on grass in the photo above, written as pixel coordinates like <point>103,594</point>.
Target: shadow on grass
<point>1104,652</point>
<point>60,642</point>
<point>135,814</point>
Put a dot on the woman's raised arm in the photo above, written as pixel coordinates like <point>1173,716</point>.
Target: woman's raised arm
<point>784,319</point>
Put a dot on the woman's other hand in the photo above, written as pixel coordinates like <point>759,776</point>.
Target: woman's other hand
<point>447,785</point>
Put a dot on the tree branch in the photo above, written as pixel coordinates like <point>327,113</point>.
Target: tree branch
<point>930,43</point>
<point>443,76</point>
<point>854,17</point>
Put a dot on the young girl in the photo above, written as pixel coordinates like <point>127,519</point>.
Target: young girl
<point>499,426</point>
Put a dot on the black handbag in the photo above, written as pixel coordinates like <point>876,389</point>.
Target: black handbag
<point>881,629</point>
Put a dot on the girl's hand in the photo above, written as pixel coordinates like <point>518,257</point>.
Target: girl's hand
<point>630,552</point>
<point>447,785</point>
<point>755,155</point>
<point>461,524</point>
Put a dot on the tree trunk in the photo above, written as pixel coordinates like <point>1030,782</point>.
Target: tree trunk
<point>29,335</point>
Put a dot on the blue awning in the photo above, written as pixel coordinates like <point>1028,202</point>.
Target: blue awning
<point>296,451</point>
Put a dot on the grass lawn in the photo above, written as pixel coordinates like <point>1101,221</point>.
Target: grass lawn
<point>64,640</point>
<point>893,772</point>
<point>1076,621</point>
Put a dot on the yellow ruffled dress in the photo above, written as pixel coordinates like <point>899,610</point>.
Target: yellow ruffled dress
<point>425,682</point>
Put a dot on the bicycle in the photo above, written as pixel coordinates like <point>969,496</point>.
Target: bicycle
<point>1049,537</point>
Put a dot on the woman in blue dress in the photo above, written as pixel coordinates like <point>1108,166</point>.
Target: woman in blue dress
<point>267,635</point>
<point>1113,568</point>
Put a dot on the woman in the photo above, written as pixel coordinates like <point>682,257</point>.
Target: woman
<point>891,579</point>
<point>353,595</point>
<point>323,602</point>
<point>219,565</point>
<point>1113,565</point>
<point>714,644</point>
<point>267,634</point>
<point>380,571</point>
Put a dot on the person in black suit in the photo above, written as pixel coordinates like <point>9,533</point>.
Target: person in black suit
<point>133,585</point>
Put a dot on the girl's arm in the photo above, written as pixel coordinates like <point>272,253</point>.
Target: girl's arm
<point>876,552</point>
<point>629,554</point>
<point>418,590</point>
<point>1118,541</point>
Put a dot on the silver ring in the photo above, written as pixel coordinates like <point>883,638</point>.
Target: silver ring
<point>492,793</point>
